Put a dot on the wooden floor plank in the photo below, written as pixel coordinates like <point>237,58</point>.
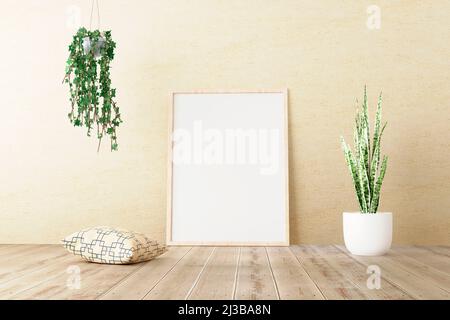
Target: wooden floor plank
<point>218,278</point>
<point>434,259</point>
<point>30,261</point>
<point>95,279</point>
<point>420,269</point>
<point>180,280</point>
<point>331,280</point>
<point>396,274</point>
<point>441,250</point>
<point>57,282</point>
<point>137,285</point>
<point>292,280</point>
<point>16,252</point>
<point>51,269</point>
<point>255,280</point>
<point>8,247</point>
<point>357,274</point>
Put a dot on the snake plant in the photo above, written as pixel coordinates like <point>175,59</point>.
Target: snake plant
<point>366,170</point>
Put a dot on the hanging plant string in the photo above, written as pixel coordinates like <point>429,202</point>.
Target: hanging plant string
<point>87,73</point>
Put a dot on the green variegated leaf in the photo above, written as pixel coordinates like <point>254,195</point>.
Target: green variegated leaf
<point>363,176</point>
<point>373,169</point>
<point>376,197</point>
<point>376,145</point>
<point>356,136</point>
<point>352,166</point>
<point>376,134</point>
<point>379,143</point>
<point>375,164</point>
<point>366,123</point>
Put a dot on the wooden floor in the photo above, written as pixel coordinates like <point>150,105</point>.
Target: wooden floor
<point>297,272</point>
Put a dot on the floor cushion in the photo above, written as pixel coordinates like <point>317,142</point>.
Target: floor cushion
<point>112,246</point>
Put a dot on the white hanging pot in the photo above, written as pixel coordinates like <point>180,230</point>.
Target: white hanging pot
<point>88,47</point>
<point>367,234</point>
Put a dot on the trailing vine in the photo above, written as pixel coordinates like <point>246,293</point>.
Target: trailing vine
<point>88,75</point>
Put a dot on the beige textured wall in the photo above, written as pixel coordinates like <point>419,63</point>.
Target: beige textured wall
<point>53,182</point>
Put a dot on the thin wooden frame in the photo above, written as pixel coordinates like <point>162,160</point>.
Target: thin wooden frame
<point>169,240</point>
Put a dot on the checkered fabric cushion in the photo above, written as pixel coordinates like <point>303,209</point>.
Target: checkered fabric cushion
<point>112,246</point>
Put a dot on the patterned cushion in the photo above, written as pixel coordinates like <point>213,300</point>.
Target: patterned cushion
<point>112,246</point>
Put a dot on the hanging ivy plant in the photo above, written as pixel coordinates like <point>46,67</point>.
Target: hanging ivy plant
<point>91,94</point>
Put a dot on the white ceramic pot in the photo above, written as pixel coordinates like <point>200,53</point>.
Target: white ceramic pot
<point>87,46</point>
<point>367,234</point>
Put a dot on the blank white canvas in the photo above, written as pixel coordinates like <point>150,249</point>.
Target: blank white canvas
<point>229,197</point>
